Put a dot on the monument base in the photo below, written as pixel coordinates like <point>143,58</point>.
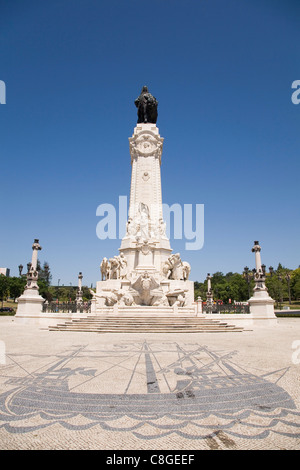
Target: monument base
<point>30,303</point>
<point>262,308</point>
<point>166,296</point>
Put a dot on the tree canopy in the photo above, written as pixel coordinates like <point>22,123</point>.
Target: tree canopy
<point>282,283</point>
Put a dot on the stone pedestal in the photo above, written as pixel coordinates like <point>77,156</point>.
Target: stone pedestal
<point>199,305</point>
<point>30,302</point>
<point>79,290</point>
<point>209,295</point>
<point>261,304</point>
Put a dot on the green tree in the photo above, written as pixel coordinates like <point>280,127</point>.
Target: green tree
<point>3,287</point>
<point>295,284</point>
<point>16,286</point>
<point>44,272</point>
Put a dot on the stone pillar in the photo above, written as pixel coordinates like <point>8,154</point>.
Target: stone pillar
<point>199,306</point>
<point>145,246</point>
<point>145,226</point>
<point>79,291</point>
<point>209,295</point>
<point>257,249</point>
<point>30,303</point>
<point>35,248</point>
<point>261,304</point>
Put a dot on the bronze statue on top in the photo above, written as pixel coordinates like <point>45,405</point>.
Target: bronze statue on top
<point>147,107</point>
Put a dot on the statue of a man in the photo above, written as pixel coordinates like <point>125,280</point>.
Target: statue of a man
<point>147,107</point>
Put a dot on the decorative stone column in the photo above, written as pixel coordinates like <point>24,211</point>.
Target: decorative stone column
<point>199,306</point>
<point>145,242</point>
<point>79,291</point>
<point>145,248</point>
<point>261,304</point>
<point>209,294</point>
<point>30,302</point>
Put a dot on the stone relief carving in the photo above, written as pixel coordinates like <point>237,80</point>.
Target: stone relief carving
<point>143,219</point>
<point>146,145</point>
<point>104,268</point>
<point>174,268</point>
<point>114,268</point>
<point>144,284</point>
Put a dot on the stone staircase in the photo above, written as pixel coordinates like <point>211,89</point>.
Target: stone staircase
<point>144,324</point>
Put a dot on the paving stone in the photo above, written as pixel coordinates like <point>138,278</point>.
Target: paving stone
<point>150,391</point>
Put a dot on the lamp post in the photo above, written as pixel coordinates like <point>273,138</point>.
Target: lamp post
<point>280,290</point>
<point>58,281</point>
<point>209,294</point>
<point>247,276</point>
<point>20,269</point>
<point>271,270</point>
<point>46,269</point>
<point>288,278</point>
<point>79,291</point>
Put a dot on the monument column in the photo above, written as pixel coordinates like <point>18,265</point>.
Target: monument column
<point>79,291</point>
<point>145,273</point>
<point>35,247</point>
<point>261,304</point>
<point>30,303</point>
<point>257,249</point>
<point>145,229</point>
<point>209,295</point>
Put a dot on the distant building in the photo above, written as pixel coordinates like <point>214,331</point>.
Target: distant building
<point>5,271</point>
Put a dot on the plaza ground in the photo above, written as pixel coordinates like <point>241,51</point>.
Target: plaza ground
<point>189,391</point>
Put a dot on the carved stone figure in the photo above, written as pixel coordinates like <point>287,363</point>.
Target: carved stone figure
<point>111,298</point>
<point>143,285</point>
<point>177,268</point>
<point>127,299</point>
<point>160,300</point>
<point>174,268</point>
<point>114,268</point>
<point>166,269</point>
<point>122,266</point>
<point>186,270</point>
<point>93,293</point>
<point>147,107</point>
<point>131,228</point>
<point>162,228</point>
<point>180,300</point>
<point>104,268</point>
<point>143,232</point>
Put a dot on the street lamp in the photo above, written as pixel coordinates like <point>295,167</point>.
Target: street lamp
<point>288,278</point>
<point>271,269</point>
<point>248,278</point>
<point>20,269</point>
<point>58,288</point>
<point>280,290</point>
<point>46,269</point>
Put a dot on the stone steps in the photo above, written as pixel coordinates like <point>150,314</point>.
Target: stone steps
<point>144,324</point>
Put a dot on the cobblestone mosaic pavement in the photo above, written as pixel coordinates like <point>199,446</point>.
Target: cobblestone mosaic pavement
<point>64,390</point>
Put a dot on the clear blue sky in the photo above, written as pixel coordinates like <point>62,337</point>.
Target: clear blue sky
<point>222,73</point>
